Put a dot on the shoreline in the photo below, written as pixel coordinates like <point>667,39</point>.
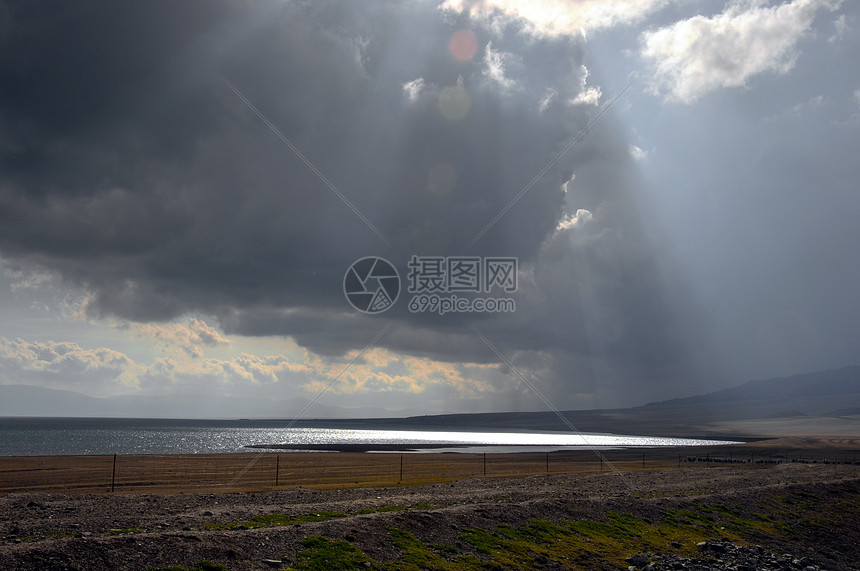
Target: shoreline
<point>500,448</point>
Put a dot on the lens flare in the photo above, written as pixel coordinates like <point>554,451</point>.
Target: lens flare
<point>463,45</point>
<point>454,102</point>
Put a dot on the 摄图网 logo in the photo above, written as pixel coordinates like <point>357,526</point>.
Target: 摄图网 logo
<point>371,284</point>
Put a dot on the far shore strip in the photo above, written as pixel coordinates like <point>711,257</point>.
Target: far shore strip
<point>413,446</point>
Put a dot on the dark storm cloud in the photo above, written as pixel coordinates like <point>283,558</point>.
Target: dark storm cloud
<point>88,86</point>
<point>132,169</point>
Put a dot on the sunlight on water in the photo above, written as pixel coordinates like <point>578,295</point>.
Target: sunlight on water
<point>475,439</point>
<point>33,437</point>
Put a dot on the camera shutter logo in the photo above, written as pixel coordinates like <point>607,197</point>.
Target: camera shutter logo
<point>371,284</point>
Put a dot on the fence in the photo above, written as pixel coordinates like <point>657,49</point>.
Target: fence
<point>243,471</point>
<point>197,472</point>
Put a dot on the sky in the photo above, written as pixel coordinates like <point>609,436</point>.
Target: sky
<point>184,187</point>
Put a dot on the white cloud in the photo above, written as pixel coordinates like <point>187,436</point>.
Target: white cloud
<point>812,103</point>
<point>588,95</point>
<point>571,221</point>
<point>840,29</point>
<point>554,18</point>
<point>104,372</point>
<point>696,56</point>
<point>494,69</point>
<point>414,88</point>
<point>550,94</point>
<point>565,187</point>
<point>400,375</point>
<point>189,336</point>
<point>360,45</point>
<point>67,365</point>
<point>637,154</point>
<point>27,278</point>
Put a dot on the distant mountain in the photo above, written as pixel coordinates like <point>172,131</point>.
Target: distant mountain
<point>807,388</point>
<point>833,393</point>
<point>830,393</point>
<point>23,400</point>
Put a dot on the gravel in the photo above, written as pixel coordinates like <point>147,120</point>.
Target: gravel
<point>145,531</point>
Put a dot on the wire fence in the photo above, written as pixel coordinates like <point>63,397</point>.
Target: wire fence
<point>199,472</point>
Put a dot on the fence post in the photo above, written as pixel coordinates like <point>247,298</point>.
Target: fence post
<point>547,462</point>
<point>401,467</point>
<point>485,464</point>
<point>113,475</point>
<point>277,468</point>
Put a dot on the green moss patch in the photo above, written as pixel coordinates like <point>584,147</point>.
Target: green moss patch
<point>272,520</point>
<point>416,555</point>
<point>323,554</point>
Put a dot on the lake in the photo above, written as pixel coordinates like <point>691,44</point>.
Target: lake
<point>88,436</point>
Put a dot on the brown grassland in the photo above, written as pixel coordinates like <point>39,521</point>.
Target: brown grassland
<point>173,473</point>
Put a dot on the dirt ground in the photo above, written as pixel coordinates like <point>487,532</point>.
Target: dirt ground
<point>52,530</point>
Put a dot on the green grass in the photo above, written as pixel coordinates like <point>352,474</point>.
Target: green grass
<point>323,554</point>
<point>735,524</point>
<point>63,534</point>
<point>585,544</point>
<point>416,555</point>
<point>577,544</point>
<point>580,544</point>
